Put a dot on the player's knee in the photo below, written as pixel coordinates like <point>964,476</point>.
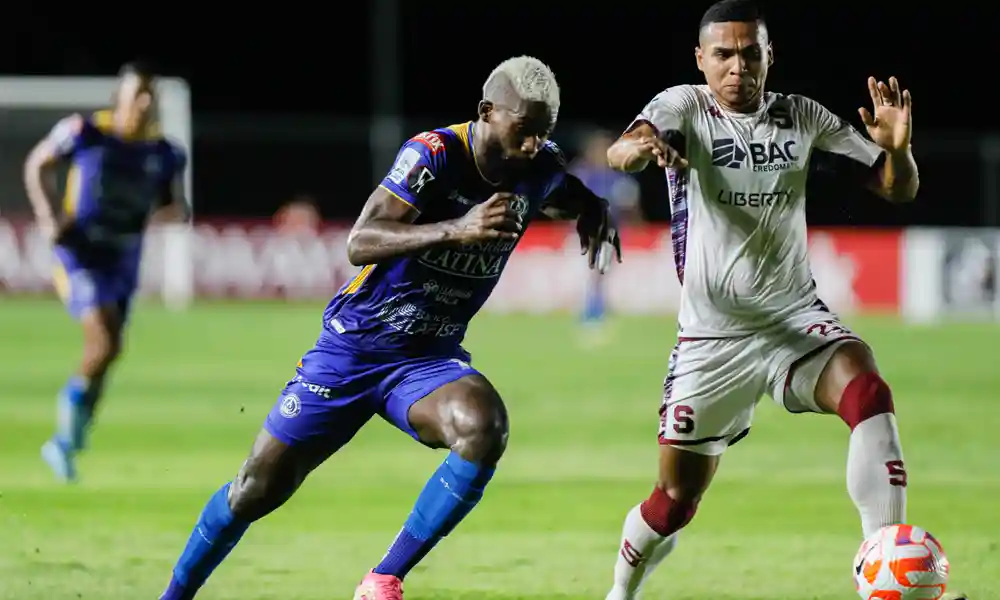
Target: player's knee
<point>257,491</point>
<point>669,509</point>
<point>102,344</point>
<point>866,395</point>
<point>101,351</point>
<point>850,360</point>
<point>851,386</point>
<point>479,427</point>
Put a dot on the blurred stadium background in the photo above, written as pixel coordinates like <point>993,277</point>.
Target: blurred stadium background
<point>280,167</point>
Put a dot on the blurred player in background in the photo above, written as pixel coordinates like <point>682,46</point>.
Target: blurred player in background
<point>300,215</point>
<point>434,238</point>
<point>622,192</point>
<point>751,323</point>
<point>121,171</point>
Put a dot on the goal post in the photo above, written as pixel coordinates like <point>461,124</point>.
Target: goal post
<point>30,106</point>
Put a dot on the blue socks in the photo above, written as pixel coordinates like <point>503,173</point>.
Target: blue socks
<point>593,308</point>
<point>213,538</point>
<point>74,411</point>
<point>452,492</point>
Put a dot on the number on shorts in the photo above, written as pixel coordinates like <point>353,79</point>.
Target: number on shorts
<point>826,328</point>
<point>683,419</point>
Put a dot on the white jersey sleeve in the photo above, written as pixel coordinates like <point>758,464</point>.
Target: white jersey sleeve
<point>670,110</point>
<point>837,136</point>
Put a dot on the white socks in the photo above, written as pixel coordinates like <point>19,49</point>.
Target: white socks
<point>876,476</point>
<point>641,550</point>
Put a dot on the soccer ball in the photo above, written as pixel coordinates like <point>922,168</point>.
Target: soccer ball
<point>901,562</point>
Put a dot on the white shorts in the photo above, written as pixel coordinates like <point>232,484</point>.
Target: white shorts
<point>713,385</point>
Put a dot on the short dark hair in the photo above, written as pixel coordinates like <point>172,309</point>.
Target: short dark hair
<point>139,68</point>
<point>726,11</point>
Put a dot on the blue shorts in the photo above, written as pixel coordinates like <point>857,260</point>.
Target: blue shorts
<point>329,413</point>
<point>83,286</point>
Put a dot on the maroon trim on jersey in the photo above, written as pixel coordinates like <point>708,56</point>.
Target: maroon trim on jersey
<point>682,340</point>
<point>638,122</point>
<point>665,441</point>
<point>806,357</point>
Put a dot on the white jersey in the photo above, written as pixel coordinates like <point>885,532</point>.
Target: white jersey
<point>738,216</point>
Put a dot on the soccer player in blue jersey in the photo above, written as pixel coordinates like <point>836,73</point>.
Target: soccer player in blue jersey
<point>121,171</point>
<point>434,237</point>
<point>622,193</point>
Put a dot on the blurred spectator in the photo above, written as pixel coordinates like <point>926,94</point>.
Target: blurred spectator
<point>971,276</point>
<point>622,192</point>
<point>620,189</point>
<point>298,216</point>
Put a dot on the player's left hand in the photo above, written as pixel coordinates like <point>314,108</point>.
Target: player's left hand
<point>890,125</point>
<point>599,237</point>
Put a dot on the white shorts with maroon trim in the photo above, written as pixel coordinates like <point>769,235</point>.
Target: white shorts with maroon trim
<point>713,385</point>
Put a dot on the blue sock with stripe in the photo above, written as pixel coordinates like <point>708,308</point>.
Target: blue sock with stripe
<point>215,535</point>
<point>450,494</point>
<point>75,409</point>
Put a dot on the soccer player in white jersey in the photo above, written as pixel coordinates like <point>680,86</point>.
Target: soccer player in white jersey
<point>751,323</point>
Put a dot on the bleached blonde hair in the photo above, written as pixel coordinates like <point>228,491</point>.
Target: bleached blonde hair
<point>522,79</point>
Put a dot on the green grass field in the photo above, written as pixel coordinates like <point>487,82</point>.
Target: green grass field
<point>193,390</point>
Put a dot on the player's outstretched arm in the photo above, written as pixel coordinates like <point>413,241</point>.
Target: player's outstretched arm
<point>897,180</point>
<point>386,229</point>
<point>39,180</point>
<point>598,232</point>
<point>644,140</point>
<point>890,127</point>
<point>572,199</point>
<point>890,170</point>
<point>638,147</point>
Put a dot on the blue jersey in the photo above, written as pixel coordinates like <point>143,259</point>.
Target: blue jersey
<point>421,305</point>
<point>114,183</point>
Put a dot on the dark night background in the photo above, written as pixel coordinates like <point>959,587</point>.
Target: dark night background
<point>282,97</point>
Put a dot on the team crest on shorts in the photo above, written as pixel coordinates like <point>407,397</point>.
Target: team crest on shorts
<point>291,406</point>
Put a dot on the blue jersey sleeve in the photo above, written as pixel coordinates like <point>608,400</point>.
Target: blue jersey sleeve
<point>419,164</point>
<point>553,164</point>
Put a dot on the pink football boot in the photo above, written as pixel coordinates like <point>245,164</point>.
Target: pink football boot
<point>379,587</point>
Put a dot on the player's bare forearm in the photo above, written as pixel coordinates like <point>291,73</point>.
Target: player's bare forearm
<point>39,193</point>
<point>379,240</point>
<point>175,207</point>
<point>39,184</point>
<point>175,212</point>
<point>626,155</point>
<point>629,152</point>
<point>898,178</point>
<point>385,230</point>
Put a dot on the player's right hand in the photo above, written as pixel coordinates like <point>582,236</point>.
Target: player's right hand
<point>652,148</point>
<point>490,220</point>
